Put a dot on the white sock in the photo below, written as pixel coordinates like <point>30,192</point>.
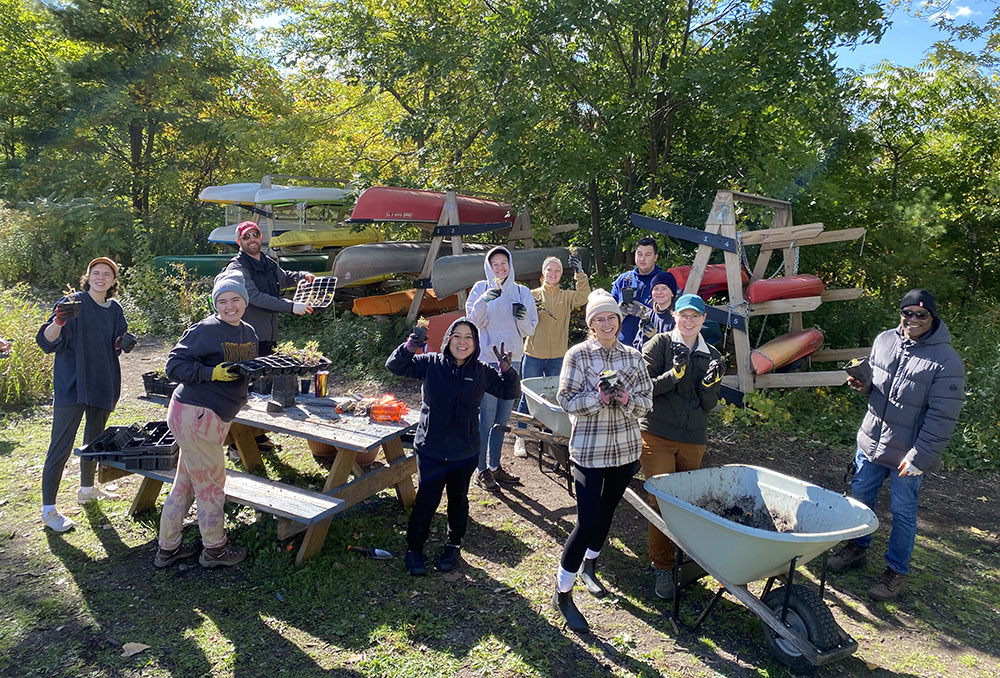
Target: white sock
<point>493,469</point>
<point>565,581</point>
<point>48,507</point>
<point>591,554</point>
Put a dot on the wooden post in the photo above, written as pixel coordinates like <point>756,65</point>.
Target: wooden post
<point>244,437</point>
<point>316,533</point>
<point>405,492</point>
<point>449,217</point>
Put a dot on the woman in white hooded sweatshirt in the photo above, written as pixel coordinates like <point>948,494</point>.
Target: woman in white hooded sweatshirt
<point>505,313</point>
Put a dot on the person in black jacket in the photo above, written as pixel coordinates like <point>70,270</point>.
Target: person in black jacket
<point>447,438</point>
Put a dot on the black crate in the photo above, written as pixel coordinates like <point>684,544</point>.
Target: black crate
<point>157,385</point>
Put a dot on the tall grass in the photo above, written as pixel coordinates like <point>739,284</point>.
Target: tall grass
<point>25,376</point>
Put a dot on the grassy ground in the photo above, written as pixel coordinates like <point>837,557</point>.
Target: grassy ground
<point>73,602</point>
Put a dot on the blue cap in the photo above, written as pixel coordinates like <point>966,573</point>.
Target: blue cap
<point>690,301</point>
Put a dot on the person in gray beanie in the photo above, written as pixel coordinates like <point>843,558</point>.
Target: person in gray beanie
<point>208,396</point>
<point>914,398</point>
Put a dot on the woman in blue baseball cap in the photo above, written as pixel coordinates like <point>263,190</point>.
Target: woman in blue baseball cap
<point>686,371</point>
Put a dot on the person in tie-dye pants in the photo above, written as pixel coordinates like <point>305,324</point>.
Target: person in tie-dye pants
<point>201,409</point>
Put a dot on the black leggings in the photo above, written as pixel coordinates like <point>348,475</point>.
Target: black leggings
<point>433,476</point>
<point>598,491</point>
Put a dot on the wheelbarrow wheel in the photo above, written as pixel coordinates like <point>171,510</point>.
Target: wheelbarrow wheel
<point>807,614</point>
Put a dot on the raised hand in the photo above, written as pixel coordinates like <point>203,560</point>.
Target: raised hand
<point>574,262</point>
<point>713,375</point>
<point>66,310</point>
<point>493,293</point>
<point>504,358</point>
<point>519,310</point>
<point>680,355</point>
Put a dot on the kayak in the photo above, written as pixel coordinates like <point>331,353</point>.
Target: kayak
<point>787,287</point>
<point>376,260</point>
<point>210,264</point>
<point>319,239</point>
<point>388,203</point>
<point>230,194</point>
<point>399,302</point>
<point>712,282</point>
<point>785,349</point>
<point>462,271</point>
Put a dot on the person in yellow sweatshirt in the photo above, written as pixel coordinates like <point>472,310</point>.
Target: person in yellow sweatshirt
<point>544,350</point>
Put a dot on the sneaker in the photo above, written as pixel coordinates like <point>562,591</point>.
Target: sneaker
<point>85,494</point>
<point>56,521</point>
<point>416,563</point>
<point>448,560</point>
<point>664,587</point>
<point>888,585</point>
<point>519,449</point>
<point>484,479</point>
<point>849,556</point>
<point>501,476</point>
<point>166,558</point>
<point>224,556</point>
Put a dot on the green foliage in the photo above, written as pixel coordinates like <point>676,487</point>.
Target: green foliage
<point>164,303</point>
<point>759,409</point>
<point>26,375</point>
<point>976,442</point>
<point>356,346</point>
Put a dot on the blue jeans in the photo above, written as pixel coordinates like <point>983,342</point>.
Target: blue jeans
<point>492,411</point>
<point>537,367</point>
<point>868,478</point>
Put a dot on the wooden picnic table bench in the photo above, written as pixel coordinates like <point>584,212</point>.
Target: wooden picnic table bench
<point>299,509</point>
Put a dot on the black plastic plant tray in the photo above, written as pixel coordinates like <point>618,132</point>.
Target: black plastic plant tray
<point>113,439</point>
<point>157,385</point>
<point>276,365</point>
<point>151,462</point>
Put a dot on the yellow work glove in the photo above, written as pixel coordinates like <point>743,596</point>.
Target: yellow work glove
<point>221,373</point>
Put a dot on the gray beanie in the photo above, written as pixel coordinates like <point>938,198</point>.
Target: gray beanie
<point>229,281</point>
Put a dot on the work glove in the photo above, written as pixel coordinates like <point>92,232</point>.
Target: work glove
<point>621,394</point>
<point>632,308</point>
<point>605,391</point>
<point>125,343</point>
<point>66,310</point>
<point>906,468</point>
<point>575,263</point>
<point>221,373</point>
<point>505,359</point>
<point>519,310</point>
<point>680,354</point>
<point>713,375</point>
<point>417,339</point>
<point>298,308</point>
<point>308,277</point>
<point>493,293</point>
<point>647,328</point>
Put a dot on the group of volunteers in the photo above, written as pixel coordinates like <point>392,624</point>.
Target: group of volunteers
<point>637,390</point>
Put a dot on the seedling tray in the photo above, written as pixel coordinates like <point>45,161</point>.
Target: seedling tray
<point>277,365</point>
<point>157,385</point>
<point>318,293</point>
<point>117,442</point>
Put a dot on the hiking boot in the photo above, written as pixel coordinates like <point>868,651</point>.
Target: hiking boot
<point>501,476</point>
<point>588,576</point>
<point>849,556</point>
<point>664,587</point>
<point>519,449</point>
<point>85,494</point>
<point>56,521</point>
<point>448,560</point>
<point>223,556</point>
<point>563,603</point>
<point>484,479</point>
<point>888,585</point>
<point>166,558</point>
<point>264,444</point>
<point>416,563</point>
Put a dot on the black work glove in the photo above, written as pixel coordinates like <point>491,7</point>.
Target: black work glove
<point>125,343</point>
<point>66,310</point>
<point>519,310</point>
<point>713,375</point>
<point>504,358</point>
<point>648,329</point>
<point>492,293</point>
<point>680,354</point>
<point>575,263</point>
<point>419,333</point>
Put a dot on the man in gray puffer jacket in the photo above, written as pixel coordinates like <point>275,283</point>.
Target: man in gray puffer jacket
<point>916,393</point>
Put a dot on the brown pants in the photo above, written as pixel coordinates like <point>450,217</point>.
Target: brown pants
<point>662,455</point>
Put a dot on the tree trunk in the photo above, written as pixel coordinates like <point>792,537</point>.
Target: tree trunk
<point>595,226</point>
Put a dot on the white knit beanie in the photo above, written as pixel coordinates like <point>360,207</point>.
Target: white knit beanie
<point>600,301</point>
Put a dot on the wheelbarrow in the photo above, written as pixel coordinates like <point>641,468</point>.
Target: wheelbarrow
<point>745,523</point>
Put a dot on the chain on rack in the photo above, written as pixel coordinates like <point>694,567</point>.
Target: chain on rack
<point>318,293</point>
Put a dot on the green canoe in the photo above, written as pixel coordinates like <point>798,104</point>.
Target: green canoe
<point>211,264</point>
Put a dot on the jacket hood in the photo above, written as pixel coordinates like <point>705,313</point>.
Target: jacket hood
<point>451,329</point>
<point>508,284</point>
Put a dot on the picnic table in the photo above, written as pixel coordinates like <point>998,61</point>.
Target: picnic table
<point>299,509</point>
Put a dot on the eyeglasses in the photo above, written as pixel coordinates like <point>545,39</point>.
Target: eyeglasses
<point>919,315</point>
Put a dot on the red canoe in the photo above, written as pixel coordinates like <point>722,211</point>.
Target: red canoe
<point>788,287</point>
<point>785,349</point>
<point>387,203</point>
<point>712,282</point>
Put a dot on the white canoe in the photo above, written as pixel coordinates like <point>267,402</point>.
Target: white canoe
<point>812,519</point>
<point>462,271</point>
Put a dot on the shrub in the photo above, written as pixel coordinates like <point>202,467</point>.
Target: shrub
<point>25,376</point>
<point>357,347</point>
<point>161,302</point>
<point>974,444</point>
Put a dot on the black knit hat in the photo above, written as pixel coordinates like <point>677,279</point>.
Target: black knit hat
<point>921,298</point>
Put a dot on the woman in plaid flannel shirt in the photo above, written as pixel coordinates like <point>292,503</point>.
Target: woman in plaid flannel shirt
<point>605,388</point>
